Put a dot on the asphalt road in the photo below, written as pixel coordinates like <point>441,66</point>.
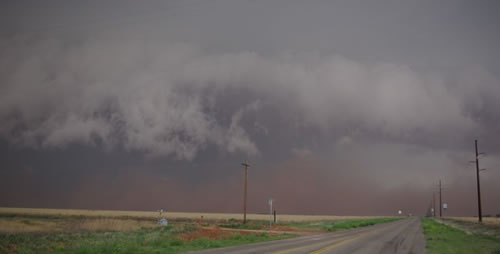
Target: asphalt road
<point>404,236</point>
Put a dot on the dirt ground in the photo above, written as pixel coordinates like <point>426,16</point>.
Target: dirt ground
<point>298,230</point>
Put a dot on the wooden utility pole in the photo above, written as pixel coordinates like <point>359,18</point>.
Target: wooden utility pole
<point>480,214</point>
<point>246,165</point>
<point>433,205</point>
<point>440,203</point>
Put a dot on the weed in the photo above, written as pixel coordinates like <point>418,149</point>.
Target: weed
<point>341,225</point>
<point>445,239</point>
<point>152,240</point>
<point>251,224</point>
<point>232,220</point>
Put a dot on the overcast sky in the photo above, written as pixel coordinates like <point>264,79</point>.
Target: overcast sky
<point>341,107</point>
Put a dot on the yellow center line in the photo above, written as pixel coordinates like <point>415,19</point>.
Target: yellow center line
<point>323,250</point>
<point>336,243</point>
<point>308,246</point>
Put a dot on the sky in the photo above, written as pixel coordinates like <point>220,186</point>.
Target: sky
<point>340,107</point>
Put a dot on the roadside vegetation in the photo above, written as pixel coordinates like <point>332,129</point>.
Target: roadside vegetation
<point>307,226</point>
<point>340,225</point>
<point>101,235</point>
<point>33,223</point>
<point>250,225</point>
<point>489,226</point>
<point>78,231</point>
<point>487,220</point>
<point>443,239</point>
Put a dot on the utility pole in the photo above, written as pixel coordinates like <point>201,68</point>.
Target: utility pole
<point>270,214</point>
<point>440,202</point>
<point>246,165</point>
<point>480,215</point>
<point>433,205</point>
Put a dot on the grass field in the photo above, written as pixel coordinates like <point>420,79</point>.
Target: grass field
<point>81,234</point>
<point>170,215</point>
<point>25,230</point>
<point>494,221</point>
<point>169,239</point>
<point>443,239</point>
<point>23,224</point>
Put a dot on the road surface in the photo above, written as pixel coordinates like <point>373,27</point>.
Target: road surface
<point>403,236</point>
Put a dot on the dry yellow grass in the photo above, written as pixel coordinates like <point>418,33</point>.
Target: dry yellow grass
<point>115,224</point>
<point>70,220</point>
<point>170,215</point>
<point>17,225</point>
<point>33,224</point>
<point>486,220</point>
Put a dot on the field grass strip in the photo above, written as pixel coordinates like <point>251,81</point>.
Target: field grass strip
<point>443,239</point>
<point>342,225</point>
<point>41,212</point>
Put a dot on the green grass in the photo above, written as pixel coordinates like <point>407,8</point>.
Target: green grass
<point>340,225</point>
<point>251,224</point>
<point>443,239</point>
<point>241,226</point>
<point>158,240</point>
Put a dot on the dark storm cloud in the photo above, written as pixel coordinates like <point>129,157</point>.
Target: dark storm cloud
<point>160,98</point>
<point>395,93</point>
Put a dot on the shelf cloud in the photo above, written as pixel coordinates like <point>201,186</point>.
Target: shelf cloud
<point>186,92</point>
<point>163,98</point>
